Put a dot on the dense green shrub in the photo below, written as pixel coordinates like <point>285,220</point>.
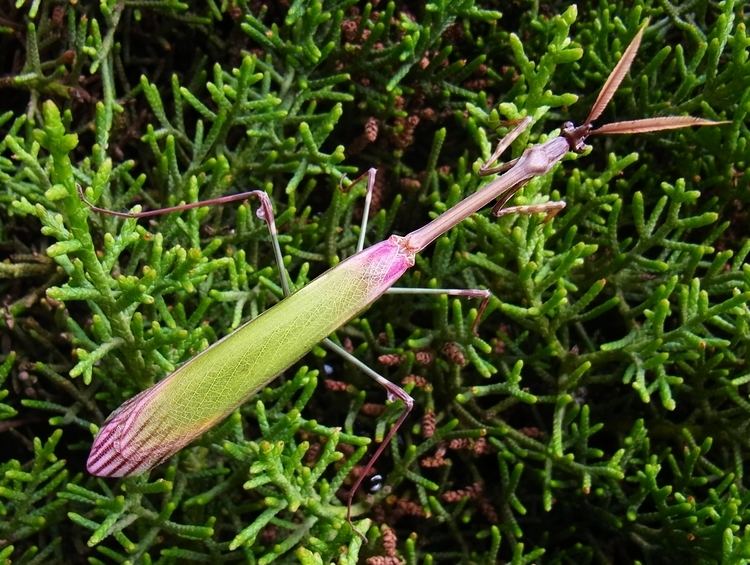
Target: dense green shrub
<point>601,414</point>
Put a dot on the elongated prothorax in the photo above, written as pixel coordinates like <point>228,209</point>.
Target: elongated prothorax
<point>535,161</point>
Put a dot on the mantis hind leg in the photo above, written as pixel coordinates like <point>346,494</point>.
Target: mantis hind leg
<point>394,392</point>
<point>264,212</point>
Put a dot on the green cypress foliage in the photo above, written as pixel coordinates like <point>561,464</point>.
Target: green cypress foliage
<point>601,414</point>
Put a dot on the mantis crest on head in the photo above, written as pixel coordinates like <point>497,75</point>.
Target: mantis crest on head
<point>161,420</point>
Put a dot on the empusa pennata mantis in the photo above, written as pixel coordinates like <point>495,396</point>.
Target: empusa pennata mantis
<point>161,420</point>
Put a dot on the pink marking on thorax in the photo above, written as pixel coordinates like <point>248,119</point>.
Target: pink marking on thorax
<point>383,263</point>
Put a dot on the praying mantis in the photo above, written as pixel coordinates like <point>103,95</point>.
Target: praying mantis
<point>161,420</point>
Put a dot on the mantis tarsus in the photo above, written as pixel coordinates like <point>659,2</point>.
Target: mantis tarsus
<point>161,420</point>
